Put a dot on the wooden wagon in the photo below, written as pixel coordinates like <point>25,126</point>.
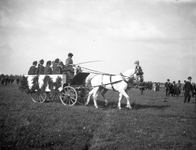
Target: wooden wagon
<point>56,86</point>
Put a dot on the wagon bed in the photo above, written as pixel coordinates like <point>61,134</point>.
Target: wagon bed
<point>56,86</point>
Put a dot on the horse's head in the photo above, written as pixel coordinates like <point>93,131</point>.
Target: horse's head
<point>133,77</point>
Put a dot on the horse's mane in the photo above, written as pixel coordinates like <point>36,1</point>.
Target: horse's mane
<point>129,72</point>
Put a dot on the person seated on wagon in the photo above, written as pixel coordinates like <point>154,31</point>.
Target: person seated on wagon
<point>56,68</point>
<point>48,69</point>
<point>33,69</point>
<point>138,68</point>
<point>40,69</point>
<point>69,66</point>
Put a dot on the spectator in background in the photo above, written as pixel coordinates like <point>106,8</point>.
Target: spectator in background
<point>174,88</point>
<point>167,87</point>
<point>183,86</point>
<point>187,89</point>
<point>171,89</point>
<point>194,90</point>
<point>179,88</point>
<point>154,86</point>
<point>33,69</point>
<point>40,69</point>
<point>48,69</point>
<point>158,86</point>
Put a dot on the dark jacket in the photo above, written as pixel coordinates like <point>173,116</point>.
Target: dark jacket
<point>167,85</point>
<point>40,69</point>
<point>32,70</point>
<point>47,70</point>
<point>188,87</point>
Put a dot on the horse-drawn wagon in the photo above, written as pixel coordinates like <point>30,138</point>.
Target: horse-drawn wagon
<point>56,86</point>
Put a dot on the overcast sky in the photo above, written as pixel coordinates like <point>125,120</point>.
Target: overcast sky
<point>161,34</point>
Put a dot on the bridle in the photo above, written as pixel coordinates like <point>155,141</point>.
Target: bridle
<point>129,78</point>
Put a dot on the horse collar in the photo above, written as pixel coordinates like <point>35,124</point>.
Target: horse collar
<point>123,77</point>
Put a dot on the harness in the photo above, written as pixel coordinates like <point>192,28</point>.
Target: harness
<point>112,83</point>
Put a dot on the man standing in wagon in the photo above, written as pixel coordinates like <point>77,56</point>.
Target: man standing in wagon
<point>69,67</point>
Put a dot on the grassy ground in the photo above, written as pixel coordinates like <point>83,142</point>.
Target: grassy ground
<point>155,122</point>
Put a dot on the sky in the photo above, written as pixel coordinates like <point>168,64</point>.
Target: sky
<point>161,34</point>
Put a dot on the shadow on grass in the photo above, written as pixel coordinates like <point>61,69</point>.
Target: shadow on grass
<point>139,106</point>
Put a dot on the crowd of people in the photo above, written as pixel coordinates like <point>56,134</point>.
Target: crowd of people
<point>9,79</point>
<point>175,89</point>
<point>53,67</point>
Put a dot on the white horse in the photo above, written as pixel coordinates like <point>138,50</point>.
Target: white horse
<point>101,83</point>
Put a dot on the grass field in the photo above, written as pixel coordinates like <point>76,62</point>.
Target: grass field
<point>155,122</point>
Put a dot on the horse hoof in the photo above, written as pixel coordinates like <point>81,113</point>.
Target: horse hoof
<point>128,107</point>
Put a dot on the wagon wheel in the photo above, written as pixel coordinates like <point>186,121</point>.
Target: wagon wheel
<point>68,96</point>
<point>54,96</point>
<point>38,97</point>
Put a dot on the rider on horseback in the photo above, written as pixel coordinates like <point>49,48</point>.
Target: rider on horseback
<point>138,68</point>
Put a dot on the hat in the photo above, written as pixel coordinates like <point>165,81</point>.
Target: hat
<point>70,54</point>
<point>136,62</point>
<point>189,78</point>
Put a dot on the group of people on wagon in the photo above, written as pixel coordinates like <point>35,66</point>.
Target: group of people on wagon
<point>55,67</point>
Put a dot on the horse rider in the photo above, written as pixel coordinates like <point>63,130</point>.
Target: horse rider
<point>138,68</point>
<point>33,69</point>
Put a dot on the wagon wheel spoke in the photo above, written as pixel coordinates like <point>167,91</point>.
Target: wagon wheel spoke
<point>68,96</point>
<point>54,96</point>
<point>38,97</point>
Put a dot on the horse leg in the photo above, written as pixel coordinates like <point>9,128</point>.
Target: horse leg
<point>93,92</point>
<point>89,96</point>
<point>103,92</point>
<point>95,95</point>
<point>119,101</point>
<point>127,97</point>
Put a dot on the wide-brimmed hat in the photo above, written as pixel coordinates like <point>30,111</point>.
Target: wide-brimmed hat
<point>70,54</point>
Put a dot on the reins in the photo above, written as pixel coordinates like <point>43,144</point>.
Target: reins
<point>97,72</point>
<point>110,76</point>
